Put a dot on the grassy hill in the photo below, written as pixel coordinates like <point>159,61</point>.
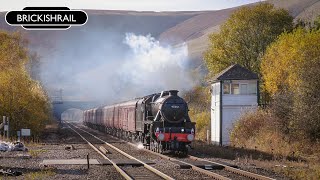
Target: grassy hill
<point>117,22</point>
<point>169,27</point>
<point>172,28</point>
<point>195,30</point>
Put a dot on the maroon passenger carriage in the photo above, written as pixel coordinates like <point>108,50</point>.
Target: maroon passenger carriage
<point>160,121</point>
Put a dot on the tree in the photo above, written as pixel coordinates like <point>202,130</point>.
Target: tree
<point>291,66</point>
<point>245,36</point>
<point>22,99</point>
<point>316,23</point>
<point>282,64</point>
<point>199,109</point>
<point>13,52</point>
<point>308,24</point>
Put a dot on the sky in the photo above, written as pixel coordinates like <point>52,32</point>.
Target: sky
<point>137,5</point>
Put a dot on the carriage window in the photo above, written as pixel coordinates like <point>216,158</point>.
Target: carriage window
<point>226,88</point>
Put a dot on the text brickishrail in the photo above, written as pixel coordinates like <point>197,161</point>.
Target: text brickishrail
<point>48,18</point>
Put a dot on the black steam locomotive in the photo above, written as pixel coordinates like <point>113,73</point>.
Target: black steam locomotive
<point>160,121</point>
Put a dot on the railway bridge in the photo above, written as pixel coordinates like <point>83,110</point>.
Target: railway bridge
<point>60,107</point>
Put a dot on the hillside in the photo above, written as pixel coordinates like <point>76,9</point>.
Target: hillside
<point>102,38</point>
<point>169,27</point>
<point>195,30</point>
<point>117,22</point>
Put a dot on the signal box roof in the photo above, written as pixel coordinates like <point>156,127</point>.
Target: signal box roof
<point>236,72</point>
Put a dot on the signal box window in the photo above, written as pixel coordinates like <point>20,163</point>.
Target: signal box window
<point>235,89</point>
<point>243,89</point>
<point>252,89</point>
<point>226,88</point>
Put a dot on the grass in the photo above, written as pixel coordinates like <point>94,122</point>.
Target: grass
<point>35,153</point>
<point>40,174</point>
<point>292,169</point>
<point>230,153</point>
<point>305,168</point>
<point>296,170</point>
<point>43,174</point>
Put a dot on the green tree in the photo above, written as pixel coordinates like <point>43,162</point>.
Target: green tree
<point>245,36</point>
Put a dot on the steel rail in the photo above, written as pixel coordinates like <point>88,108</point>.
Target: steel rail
<point>226,167</point>
<point>203,171</point>
<point>122,172</point>
<point>209,173</point>
<point>152,169</point>
<point>235,170</point>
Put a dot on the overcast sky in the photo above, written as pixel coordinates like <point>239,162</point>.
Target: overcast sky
<point>138,5</point>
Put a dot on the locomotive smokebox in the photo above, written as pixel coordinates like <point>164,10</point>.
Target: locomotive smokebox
<point>170,107</point>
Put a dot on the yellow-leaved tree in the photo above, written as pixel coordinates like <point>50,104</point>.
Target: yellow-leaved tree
<point>22,99</point>
<point>290,69</point>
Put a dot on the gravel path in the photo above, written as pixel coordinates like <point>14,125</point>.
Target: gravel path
<point>54,147</point>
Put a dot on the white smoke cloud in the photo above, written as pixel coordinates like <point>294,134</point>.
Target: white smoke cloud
<point>108,69</point>
<point>154,67</point>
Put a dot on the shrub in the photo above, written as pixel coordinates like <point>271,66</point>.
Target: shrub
<point>202,120</point>
<point>260,130</point>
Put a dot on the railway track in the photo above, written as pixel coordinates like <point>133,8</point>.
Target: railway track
<point>227,170</point>
<point>224,172</point>
<point>234,170</point>
<point>128,172</point>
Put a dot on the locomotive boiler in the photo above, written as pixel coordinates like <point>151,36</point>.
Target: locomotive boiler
<point>160,121</point>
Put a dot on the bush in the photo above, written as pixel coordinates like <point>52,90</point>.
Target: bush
<point>199,106</point>
<point>202,120</point>
<point>260,130</point>
<point>263,130</point>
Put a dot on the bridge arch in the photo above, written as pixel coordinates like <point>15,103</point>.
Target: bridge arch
<point>60,108</point>
<point>72,114</point>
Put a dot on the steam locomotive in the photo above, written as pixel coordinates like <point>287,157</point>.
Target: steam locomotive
<point>160,121</point>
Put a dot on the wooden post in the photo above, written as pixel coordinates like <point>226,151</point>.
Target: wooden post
<point>4,123</point>
<point>88,161</point>
<point>8,134</point>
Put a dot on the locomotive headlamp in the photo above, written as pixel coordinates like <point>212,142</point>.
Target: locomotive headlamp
<point>182,130</point>
<point>161,137</point>
<point>190,137</point>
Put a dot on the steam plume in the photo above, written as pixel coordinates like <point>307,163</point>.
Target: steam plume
<point>113,69</point>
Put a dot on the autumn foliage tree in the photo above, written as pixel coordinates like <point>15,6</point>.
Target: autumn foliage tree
<point>199,106</point>
<point>245,36</point>
<point>22,99</point>
<point>291,67</point>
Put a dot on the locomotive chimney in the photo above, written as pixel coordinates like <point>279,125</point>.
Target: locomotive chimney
<point>173,92</point>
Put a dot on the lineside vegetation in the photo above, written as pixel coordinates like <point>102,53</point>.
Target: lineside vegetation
<point>287,58</point>
<point>22,98</point>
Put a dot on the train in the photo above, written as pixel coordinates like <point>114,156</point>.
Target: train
<point>159,121</point>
